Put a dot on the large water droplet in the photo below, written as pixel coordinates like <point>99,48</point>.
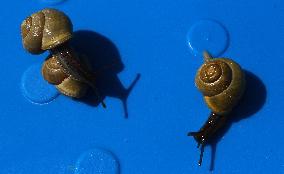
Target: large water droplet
<point>35,88</point>
<point>208,35</point>
<point>53,2</point>
<point>97,161</point>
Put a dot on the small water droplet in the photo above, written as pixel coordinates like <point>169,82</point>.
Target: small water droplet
<point>97,161</point>
<point>35,88</point>
<point>53,2</point>
<point>207,35</point>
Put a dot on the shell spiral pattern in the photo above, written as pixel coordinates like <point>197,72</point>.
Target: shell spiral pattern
<point>222,82</point>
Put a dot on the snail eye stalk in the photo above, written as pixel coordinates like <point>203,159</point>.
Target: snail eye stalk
<point>201,154</point>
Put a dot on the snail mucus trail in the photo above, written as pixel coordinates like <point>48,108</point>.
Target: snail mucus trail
<point>51,29</point>
<point>222,83</point>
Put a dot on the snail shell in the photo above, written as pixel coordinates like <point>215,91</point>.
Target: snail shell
<point>66,84</point>
<point>222,83</point>
<point>45,30</point>
<point>52,71</point>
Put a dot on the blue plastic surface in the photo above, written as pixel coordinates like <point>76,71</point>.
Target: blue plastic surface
<point>149,37</point>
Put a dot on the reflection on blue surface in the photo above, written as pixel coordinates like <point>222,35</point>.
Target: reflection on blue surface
<point>207,35</point>
<point>52,2</point>
<point>35,88</point>
<point>97,161</point>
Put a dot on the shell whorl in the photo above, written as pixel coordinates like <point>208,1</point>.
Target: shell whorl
<point>213,77</point>
<point>222,83</point>
<point>45,29</point>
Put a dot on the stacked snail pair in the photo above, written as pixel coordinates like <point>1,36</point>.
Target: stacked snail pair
<point>50,29</point>
<point>221,80</point>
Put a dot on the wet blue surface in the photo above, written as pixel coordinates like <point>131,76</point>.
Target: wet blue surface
<point>207,35</point>
<point>150,38</point>
<point>35,88</point>
<point>97,161</point>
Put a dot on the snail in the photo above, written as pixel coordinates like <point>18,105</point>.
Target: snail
<point>45,30</point>
<point>222,83</point>
<point>50,29</point>
<point>54,74</point>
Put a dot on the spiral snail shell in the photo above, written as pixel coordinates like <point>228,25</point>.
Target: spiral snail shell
<point>66,84</point>
<point>45,30</point>
<point>222,83</point>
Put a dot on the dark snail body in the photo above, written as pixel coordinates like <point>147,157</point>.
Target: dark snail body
<point>207,131</point>
<point>71,65</point>
<point>222,83</point>
<point>50,29</point>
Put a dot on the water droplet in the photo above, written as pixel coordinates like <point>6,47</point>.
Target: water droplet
<point>35,88</point>
<point>97,161</point>
<point>208,35</point>
<point>53,2</point>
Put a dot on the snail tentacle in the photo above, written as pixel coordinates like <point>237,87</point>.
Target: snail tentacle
<point>207,56</point>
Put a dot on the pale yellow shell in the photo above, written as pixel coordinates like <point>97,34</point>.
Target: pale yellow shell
<point>45,30</point>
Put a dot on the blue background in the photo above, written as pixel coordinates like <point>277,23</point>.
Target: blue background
<point>148,37</point>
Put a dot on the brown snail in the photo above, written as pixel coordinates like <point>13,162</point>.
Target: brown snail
<point>51,30</point>
<point>222,82</point>
<point>45,30</point>
<point>54,74</point>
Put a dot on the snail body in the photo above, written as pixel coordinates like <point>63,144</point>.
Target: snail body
<point>222,83</point>
<point>51,30</point>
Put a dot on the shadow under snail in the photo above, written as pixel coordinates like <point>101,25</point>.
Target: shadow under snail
<point>222,83</point>
<point>51,30</point>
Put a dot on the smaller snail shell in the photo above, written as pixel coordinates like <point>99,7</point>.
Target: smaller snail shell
<point>52,71</point>
<point>54,74</point>
<point>222,83</point>
<point>72,88</point>
<point>45,30</point>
